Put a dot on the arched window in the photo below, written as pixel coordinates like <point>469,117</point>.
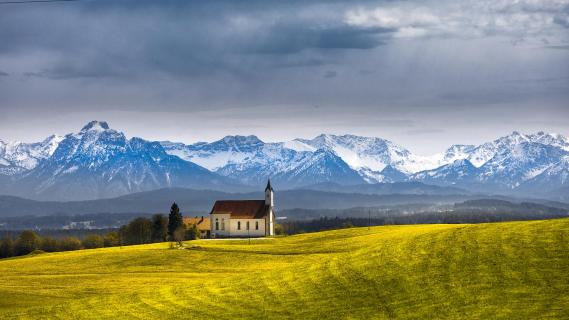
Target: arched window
<point>247,225</point>
<point>222,224</point>
<point>216,224</point>
<point>256,225</point>
<point>238,225</point>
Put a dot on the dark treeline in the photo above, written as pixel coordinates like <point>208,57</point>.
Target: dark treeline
<point>30,242</point>
<point>445,217</point>
<point>74,222</point>
<point>158,228</point>
<point>59,233</point>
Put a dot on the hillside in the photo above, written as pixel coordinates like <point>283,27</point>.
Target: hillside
<point>200,201</point>
<point>506,270</point>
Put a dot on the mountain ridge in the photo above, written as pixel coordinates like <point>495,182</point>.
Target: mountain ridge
<point>99,161</point>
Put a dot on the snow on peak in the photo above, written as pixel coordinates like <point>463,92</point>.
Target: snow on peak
<point>96,126</point>
<point>51,143</point>
<point>461,163</point>
<point>238,140</point>
<point>26,156</point>
<point>298,145</point>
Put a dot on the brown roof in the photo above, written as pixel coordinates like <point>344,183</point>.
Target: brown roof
<point>202,223</point>
<point>245,209</point>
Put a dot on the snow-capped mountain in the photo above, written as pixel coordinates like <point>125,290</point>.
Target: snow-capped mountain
<point>367,154</point>
<point>552,178</point>
<point>252,161</point>
<point>500,165</point>
<point>100,162</point>
<point>505,164</point>
<point>16,157</point>
<point>459,172</point>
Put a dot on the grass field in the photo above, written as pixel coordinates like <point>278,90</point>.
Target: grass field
<point>517,270</point>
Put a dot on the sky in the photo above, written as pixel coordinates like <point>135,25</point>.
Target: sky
<point>424,74</point>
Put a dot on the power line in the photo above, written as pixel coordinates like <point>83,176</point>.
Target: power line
<point>35,1</point>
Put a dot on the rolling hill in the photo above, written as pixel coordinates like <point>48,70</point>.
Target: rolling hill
<point>200,201</point>
<point>501,271</point>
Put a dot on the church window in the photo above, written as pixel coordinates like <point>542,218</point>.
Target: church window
<point>256,225</point>
<point>238,225</point>
<point>222,224</point>
<point>247,225</point>
<point>216,224</point>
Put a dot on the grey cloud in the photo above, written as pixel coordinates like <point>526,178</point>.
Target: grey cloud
<point>330,74</point>
<point>558,47</point>
<point>293,37</point>
<point>435,60</point>
<point>423,131</point>
<point>4,74</point>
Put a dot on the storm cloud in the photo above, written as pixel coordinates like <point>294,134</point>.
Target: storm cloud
<point>440,69</point>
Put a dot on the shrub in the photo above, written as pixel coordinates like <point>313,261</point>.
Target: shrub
<point>70,244</point>
<point>178,235</point>
<point>93,241</point>
<point>279,230</point>
<point>36,252</point>
<point>49,244</point>
<point>27,242</point>
<point>6,247</point>
<point>111,239</point>
<point>192,232</point>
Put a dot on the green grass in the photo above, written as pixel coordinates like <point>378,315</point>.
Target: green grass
<point>517,270</point>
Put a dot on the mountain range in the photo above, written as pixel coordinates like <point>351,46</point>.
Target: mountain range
<point>99,162</point>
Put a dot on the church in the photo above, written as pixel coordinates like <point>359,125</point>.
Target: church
<point>244,218</point>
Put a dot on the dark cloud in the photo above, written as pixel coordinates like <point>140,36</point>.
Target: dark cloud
<point>424,131</point>
<point>176,59</point>
<point>4,74</point>
<point>330,74</point>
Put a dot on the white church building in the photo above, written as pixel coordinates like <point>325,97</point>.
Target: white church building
<point>244,218</point>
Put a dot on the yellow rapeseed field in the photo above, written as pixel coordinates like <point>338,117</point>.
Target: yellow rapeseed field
<point>517,270</point>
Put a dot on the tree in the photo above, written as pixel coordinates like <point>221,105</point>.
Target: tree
<point>159,228</point>
<point>27,242</point>
<point>111,239</point>
<point>192,232</point>
<point>139,231</point>
<point>6,247</point>
<point>123,230</point>
<point>49,244</point>
<point>178,235</point>
<point>93,241</point>
<point>70,244</point>
<point>175,221</point>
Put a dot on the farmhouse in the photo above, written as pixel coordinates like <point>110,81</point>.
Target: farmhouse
<point>203,225</point>
<point>244,218</point>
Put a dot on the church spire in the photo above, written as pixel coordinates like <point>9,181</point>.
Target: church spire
<point>269,187</point>
<point>269,194</point>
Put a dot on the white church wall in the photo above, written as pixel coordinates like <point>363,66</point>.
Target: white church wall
<point>220,225</point>
<point>236,232</point>
<point>223,226</point>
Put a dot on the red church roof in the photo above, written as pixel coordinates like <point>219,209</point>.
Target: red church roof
<point>245,209</point>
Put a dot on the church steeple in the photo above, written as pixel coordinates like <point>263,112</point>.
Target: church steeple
<point>269,194</point>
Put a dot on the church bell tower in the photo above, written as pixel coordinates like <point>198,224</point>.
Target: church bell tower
<point>269,194</point>
<point>270,203</point>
